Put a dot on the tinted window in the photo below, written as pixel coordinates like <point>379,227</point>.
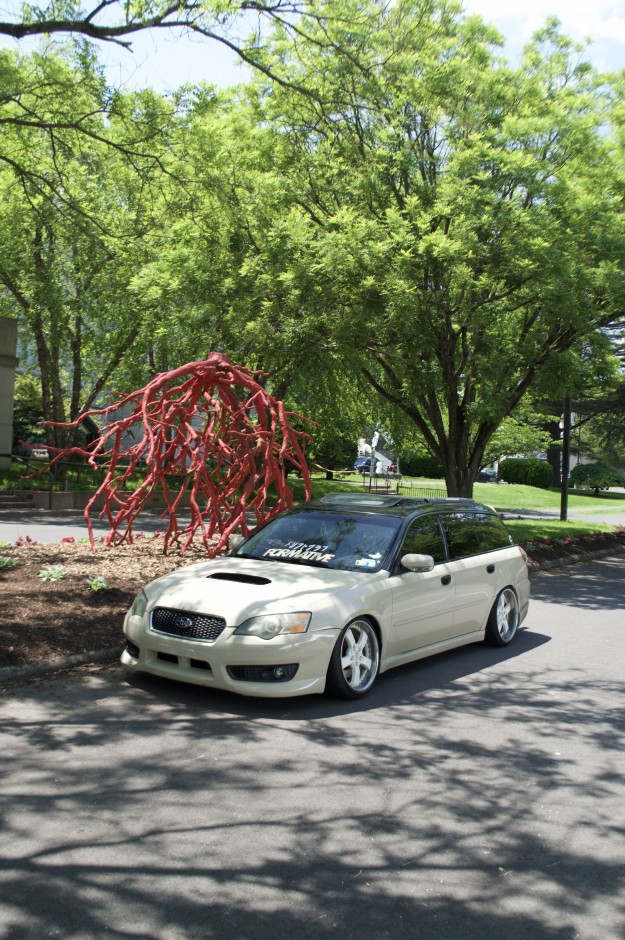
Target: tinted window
<point>424,537</point>
<point>471,533</point>
<point>349,541</point>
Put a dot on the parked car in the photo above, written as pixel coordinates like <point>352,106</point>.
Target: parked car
<point>32,450</point>
<point>487,475</point>
<point>327,595</point>
<point>363,464</point>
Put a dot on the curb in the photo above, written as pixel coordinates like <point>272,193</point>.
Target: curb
<point>537,567</point>
<point>60,665</point>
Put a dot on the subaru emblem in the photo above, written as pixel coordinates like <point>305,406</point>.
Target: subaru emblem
<point>184,623</point>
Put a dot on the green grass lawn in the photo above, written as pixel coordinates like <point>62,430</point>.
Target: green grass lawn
<point>529,530</point>
<point>509,496</point>
<point>516,496</point>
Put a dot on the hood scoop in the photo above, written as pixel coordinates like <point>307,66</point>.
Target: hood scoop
<point>238,577</point>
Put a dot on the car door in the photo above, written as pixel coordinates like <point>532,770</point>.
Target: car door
<point>423,601</point>
<point>472,541</point>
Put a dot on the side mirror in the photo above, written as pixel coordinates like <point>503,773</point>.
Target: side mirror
<point>234,541</point>
<point>417,562</point>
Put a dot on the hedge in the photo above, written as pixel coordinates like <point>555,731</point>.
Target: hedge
<point>529,471</point>
<point>420,465</point>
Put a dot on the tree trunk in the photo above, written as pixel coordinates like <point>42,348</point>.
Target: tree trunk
<point>459,481</point>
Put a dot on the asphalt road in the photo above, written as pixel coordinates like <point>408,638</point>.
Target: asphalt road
<point>480,794</point>
<point>47,527</point>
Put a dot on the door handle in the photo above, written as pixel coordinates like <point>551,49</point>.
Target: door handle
<point>446,579</point>
<point>490,568</point>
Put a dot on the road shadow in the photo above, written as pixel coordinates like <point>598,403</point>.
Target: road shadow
<point>476,794</point>
<point>401,685</point>
<point>596,584</point>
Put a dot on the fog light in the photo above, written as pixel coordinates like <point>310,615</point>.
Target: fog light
<point>279,672</point>
<point>133,649</point>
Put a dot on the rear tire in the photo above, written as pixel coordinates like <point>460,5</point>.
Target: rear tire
<point>355,661</point>
<point>503,620</point>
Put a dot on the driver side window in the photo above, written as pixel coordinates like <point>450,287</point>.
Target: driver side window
<point>424,537</point>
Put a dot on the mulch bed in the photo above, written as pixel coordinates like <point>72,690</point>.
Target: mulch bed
<point>42,621</point>
<point>553,551</point>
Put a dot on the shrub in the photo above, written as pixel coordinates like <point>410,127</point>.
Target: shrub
<point>529,471</point>
<point>6,562</point>
<point>596,476</point>
<point>412,464</point>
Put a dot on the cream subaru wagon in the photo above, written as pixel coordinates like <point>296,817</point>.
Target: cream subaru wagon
<point>328,595</point>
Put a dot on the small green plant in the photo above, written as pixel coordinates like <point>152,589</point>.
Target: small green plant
<point>4,544</point>
<point>99,583</point>
<point>6,562</point>
<point>53,573</point>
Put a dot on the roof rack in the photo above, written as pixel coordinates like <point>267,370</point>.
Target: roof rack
<point>382,500</point>
<point>374,500</point>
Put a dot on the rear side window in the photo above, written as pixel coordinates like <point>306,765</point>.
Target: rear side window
<point>424,537</point>
<point>471,533</point>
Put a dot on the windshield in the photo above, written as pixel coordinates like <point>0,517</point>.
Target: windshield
<point>346,541</point>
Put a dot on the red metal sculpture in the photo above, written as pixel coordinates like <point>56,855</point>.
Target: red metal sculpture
<point>207,429</point>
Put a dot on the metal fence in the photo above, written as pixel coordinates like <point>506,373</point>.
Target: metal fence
<point>392,483</point>
<point>423,490</point>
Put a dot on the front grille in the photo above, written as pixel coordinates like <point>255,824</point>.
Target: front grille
<point>187,625</point>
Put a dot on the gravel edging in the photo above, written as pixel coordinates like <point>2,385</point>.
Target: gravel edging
<point>107,655</point>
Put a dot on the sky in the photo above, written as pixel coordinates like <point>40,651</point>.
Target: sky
<point>166,61</point>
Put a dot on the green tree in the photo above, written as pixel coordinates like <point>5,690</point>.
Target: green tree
<point>449,223</point>
<point>28,410</point>
<point>77,213</point>
<point>599,426</point>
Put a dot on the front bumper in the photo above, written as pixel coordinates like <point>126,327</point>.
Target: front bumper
<point>215,664</point>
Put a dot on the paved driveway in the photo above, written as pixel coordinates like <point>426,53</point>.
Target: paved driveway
<point>47,527</point>
<point>477,795</point>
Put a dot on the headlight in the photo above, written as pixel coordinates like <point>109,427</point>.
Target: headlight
<point>274,625</point>
<point>139,604</point>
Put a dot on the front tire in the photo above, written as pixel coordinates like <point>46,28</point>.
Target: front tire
<point>355,661</point>
<point>503,620</point>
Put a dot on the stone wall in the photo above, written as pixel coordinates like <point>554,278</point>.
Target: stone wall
<point>8,365</point>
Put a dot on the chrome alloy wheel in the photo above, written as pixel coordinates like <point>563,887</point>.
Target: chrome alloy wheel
<point>507,615</point>
<point>360,656</point>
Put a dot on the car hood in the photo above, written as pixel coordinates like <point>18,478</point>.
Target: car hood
<point>238,588</point>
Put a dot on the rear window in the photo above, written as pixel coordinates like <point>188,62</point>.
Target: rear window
<point>348,541</point>
<point>471,533</point>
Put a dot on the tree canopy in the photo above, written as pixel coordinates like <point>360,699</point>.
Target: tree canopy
<point>420,240</point>
<point>453,223</point>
